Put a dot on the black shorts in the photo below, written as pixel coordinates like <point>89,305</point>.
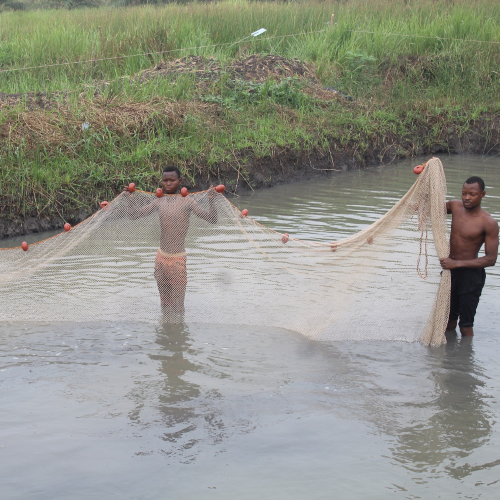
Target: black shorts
<point>466,287</point>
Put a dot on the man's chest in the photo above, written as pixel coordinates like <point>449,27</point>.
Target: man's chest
<point>172,213</point>
<point>468,229</point>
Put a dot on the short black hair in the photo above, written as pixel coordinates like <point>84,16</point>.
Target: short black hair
<point>474,179</point>
<point>171,168</point>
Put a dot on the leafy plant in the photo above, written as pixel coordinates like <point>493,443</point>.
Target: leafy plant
<point>357,61</point>
<point>239,93</point>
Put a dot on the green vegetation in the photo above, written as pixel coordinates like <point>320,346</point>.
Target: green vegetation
<point>422,75</point>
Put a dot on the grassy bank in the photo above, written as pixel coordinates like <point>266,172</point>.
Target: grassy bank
<point>414,77</point>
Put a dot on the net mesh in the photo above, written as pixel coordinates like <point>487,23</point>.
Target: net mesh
<point>198,259</point>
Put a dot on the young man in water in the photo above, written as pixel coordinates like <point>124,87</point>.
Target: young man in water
<point>174,212</point>
<point>471,226</point>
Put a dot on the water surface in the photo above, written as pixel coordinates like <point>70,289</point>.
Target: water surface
<point>94,410</point>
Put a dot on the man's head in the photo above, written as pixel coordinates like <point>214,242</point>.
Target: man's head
<point>171,179</point>
<point>473,192</point>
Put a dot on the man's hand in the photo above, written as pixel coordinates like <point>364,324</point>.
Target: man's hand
<point>448,263</point>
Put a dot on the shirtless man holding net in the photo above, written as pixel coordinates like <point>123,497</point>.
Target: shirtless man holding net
<point>471,226</point>
<point>174,213</point>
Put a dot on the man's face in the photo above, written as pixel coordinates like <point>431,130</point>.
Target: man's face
<point>170,182</point>
<point>472,195</point>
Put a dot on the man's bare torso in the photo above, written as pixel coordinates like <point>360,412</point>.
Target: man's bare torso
<point>468,231</point>
<point>174,213</point>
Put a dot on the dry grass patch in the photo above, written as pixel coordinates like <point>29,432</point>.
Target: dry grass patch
<point>59,125</point>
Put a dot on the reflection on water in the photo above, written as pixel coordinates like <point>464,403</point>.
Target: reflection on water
<point>173,394</point>
<point>196,411</point>
<point>458,418</point>
<point>177,399</point>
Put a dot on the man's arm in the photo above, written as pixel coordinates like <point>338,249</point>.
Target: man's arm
<point>491,242</point>
<point>137,213</point>
<point>210,215</point>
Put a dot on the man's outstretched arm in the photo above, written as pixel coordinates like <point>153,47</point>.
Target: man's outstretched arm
<point>136,213</point>
<point>211,215</point>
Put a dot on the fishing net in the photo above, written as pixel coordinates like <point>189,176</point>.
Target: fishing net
<point>198,259</point>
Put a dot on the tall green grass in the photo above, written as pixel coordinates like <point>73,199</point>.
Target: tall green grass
<point>384,29</point>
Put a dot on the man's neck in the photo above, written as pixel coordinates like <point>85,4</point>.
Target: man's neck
<point>473,211</point>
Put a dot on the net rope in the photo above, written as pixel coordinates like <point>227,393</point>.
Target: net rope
<point>198,259</point>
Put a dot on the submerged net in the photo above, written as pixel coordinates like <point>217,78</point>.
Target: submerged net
<point>198,259</point>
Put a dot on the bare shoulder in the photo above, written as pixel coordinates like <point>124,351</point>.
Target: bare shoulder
<point>455,204</point>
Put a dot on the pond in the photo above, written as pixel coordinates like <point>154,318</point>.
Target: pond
<point>152,411</point>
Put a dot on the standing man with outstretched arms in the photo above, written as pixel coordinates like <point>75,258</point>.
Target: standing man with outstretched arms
<point>471,226</point>
<point>174,214</point>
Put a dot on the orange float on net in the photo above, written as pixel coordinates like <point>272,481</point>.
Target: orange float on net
<point>220,188</point>
<point>24,246</point>
<point>104,204</point>
<point>285,237</point>
<point>67,226</point>
<point>159,192</point>
<point>131,187</point>
<point>244,212</point>
<point>184,192</point>
<point>418,169</point>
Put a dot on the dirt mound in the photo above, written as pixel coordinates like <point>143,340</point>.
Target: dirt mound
<point>31,100</point>
<point>259,69</point>
<point>206,67</point>
<point>254,68</point>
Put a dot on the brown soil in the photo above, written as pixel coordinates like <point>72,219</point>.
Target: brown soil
<point>30,100</point>
<point>255,68</point>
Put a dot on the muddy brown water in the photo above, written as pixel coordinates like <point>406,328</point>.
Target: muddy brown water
<point>137,411</point>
